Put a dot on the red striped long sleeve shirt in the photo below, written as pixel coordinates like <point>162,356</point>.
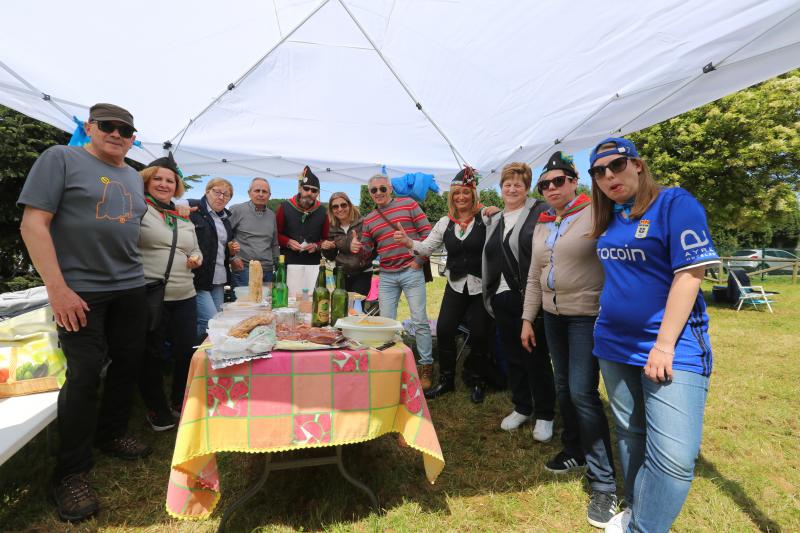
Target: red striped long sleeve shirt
<point>378,233</point>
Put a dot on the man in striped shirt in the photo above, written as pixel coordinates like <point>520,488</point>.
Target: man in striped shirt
<point>400,270</point>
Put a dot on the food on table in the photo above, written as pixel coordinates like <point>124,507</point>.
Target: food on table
<point>256,281</point>
<point>304,332</point>
<point>243,328</point>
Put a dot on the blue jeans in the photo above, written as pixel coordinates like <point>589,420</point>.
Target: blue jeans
<point>412,283</point>
<point>209,303</point>
<point>241,278</point>
<point>577,376</point>
<point>659,428</point>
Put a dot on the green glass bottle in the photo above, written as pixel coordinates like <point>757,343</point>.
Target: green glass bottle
<point>338,298</point>
<point>321,300</point>
<point>280,291</point>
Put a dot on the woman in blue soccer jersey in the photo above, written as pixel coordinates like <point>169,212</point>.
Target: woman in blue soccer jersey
<point>651,336</point>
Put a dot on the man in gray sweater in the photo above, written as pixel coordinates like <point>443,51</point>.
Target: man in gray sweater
<point>255,229</point>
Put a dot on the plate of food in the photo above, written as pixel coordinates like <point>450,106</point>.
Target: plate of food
<point>302,337</point>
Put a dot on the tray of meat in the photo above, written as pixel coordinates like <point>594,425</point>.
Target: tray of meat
<point>304,337</point>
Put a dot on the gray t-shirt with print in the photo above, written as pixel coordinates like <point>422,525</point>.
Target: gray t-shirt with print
<point>96,210</point>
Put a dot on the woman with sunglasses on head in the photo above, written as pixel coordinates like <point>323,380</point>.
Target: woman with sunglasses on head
<point>176,320</point>
<point>565,279</point>
<point>651,336</point>
<point>463,233</point>
<point>345,225</point>
<point>215,235</point>
<point>506,261</point>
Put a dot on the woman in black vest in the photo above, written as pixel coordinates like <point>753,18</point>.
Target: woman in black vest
<point>506,261</point>
<point>463,232</point>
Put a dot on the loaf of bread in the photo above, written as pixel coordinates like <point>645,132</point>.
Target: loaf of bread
<point>256,282</point>
<point>243,328</point>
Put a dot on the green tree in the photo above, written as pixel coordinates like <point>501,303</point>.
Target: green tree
<point>491,197</point>
<point>22,140</point>
<point>740,156</point>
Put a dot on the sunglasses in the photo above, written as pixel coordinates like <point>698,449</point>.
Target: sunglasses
<point>106,126</point>
<point>338,206</point>
<point>382,188</point>
<point>558,181</point>
<point>616,166</point>
<point>310,189</point>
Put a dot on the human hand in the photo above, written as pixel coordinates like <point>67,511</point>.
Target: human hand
<point>414,266</point>
<point>355,243</point>
<point>237,264</point>
<point>527,336</point>
<point>401,238</point>
<point>294,245</point>
<point>328,245</point>
<point>69,309</point>
<point>194,261</point>
<point>491,211</point>
<point>659,365</point>
<point>184,210</point>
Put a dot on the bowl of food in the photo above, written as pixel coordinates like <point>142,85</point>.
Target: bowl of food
<point>369,330</point>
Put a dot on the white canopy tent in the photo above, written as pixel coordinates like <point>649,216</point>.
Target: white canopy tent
<point>258,87</point>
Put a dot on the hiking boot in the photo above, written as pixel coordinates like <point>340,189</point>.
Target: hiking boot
<point>425,376</point>
<point>564,462</point>
<point>126,448</point>
<point>543,430</point>
<point>514,421</point>
<point>619,523</point>
<point>160,421</point>
<point>602,508</point>
<point>447,383</point>
<point>74,498</point>
<point>477,395</point>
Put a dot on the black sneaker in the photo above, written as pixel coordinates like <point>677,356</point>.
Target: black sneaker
<point>126,448</point>
<point>564,462</point>
<point>602,508</point>
<point>160,421</point>
<point>74,498</point>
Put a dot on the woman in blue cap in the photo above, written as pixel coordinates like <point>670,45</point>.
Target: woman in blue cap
<point>651,336</point>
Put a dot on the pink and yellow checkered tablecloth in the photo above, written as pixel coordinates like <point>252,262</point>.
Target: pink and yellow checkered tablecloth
<point>292,401</point>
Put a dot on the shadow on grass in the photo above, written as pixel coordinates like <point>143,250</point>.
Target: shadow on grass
<point>735,492</point>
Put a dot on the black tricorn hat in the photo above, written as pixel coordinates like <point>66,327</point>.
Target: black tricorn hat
<point>560,161</point>
<point>308,178</point>
<point>167,162</point>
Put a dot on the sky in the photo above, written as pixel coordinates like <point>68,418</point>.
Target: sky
<point>285,188</point>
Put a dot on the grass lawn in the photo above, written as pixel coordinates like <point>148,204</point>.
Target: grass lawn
<point>747,477</point>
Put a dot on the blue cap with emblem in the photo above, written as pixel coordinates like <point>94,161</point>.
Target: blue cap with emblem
<point>621,147</point>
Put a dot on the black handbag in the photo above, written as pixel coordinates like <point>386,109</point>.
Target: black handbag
<point>157,289</point>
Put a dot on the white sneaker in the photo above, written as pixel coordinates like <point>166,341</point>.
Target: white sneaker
<point>619,523</point>
<point>514,421</point>
<point>543,430</point>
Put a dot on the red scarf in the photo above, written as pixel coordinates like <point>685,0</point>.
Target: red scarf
<point>578,205</point>
<point>463,225</point>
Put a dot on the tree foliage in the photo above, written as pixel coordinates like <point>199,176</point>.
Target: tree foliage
<point>22,140</point>
<point>740,156</point>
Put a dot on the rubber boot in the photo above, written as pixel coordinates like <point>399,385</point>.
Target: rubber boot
<point>447,383</point>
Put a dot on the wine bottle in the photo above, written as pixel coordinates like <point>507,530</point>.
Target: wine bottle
<point>321,300</point>
<point>338,298</point>
<point>280,291</point>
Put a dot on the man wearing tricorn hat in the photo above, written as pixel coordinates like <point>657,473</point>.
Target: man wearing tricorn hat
<point>83,207</point>
<point>302,226</point>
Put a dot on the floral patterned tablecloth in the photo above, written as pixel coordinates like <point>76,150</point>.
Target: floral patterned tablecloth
<point>292,401</point>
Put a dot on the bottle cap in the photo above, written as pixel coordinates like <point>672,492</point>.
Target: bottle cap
<point>282,258</point>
